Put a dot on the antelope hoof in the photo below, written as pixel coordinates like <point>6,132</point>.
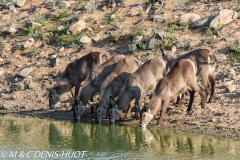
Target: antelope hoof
<point>190,112</point>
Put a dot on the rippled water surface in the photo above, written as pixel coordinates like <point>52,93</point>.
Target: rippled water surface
<point>23,137</point>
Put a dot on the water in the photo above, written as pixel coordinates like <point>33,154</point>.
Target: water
<point>23,137</point>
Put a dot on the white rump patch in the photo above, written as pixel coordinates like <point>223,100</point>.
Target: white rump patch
<point>100,58</point>
<point>194,68</point>
<point>211,68</point>
<point>164,65</point>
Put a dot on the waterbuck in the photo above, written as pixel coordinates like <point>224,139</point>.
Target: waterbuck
<point>142,81</point>
<point>92,85</point>
<point>113,84</point>
<point>205,62</point>
<point>74,74</point>
<point>182,77</point>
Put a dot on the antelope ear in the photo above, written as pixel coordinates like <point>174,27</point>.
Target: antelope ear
<point>146,108</point>
<point>149,111</point>
<point>111,98</point>
<point>49,90</point>
<point>71,100</point>
<point>174,48</point>
<point>53,91</point>
<point>99,101</point>
<point>112,103</point>
<point>78,100</point>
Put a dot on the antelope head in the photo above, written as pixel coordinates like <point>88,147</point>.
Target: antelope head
<point>53,98</point>
<point>114,112</point>
<point>79,109</point>
<point>101,111</point>
<point>146,117</point>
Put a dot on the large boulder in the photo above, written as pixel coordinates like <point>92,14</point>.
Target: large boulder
<point>85,40</point>
<point>20,3</point>
<point>189,17</point>
<point>24,72</point>
<point>225,16</point>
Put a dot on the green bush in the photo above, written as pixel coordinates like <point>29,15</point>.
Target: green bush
<point>235,52</point>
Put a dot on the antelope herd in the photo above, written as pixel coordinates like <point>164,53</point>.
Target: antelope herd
<point>121,82</point>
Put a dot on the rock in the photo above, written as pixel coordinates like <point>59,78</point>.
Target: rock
<point>231,88</point>
<point>54,61</point>
<point>96,38</point>
<point>30,42</point>
<point>13,97</point>
<point>151,42</point>
<point>32,24</point>
<point>31,86</point>
<point>220,76</point>
<point>113,16</point>
<point>160,35</point>
<point>4,106</point>
<point>157,18</point>
<point>220,57</point>
<point>4,29</point>
<point>60,28</point>
<point>225,16</point>
<point>228,85</point>
<point>104,8</point>
<point>214,119</point>
<point>19,86</point>
<point>221,126</point>
<point>115,28</point>
<point>12,31</point>
<point>24,72</point>
<point>134,11</point>
<point>86,40</point>
<point>12,7</point>
<point>232,71</point>
<point>20,3</point>
<point>236,45</point>
<point>189,17</point>
<point>53,16</point>
<point>179,44</point>
<point>202,22</point>
<point>77,27</point>
<point>111,34</point>
<point>137,39</point>
<point>61,49</point>
<point>122,51</point>
<point>113,5</point>
<point>63,4</point>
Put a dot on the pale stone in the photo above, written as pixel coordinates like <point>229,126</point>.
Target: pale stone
<point>225,16</point>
